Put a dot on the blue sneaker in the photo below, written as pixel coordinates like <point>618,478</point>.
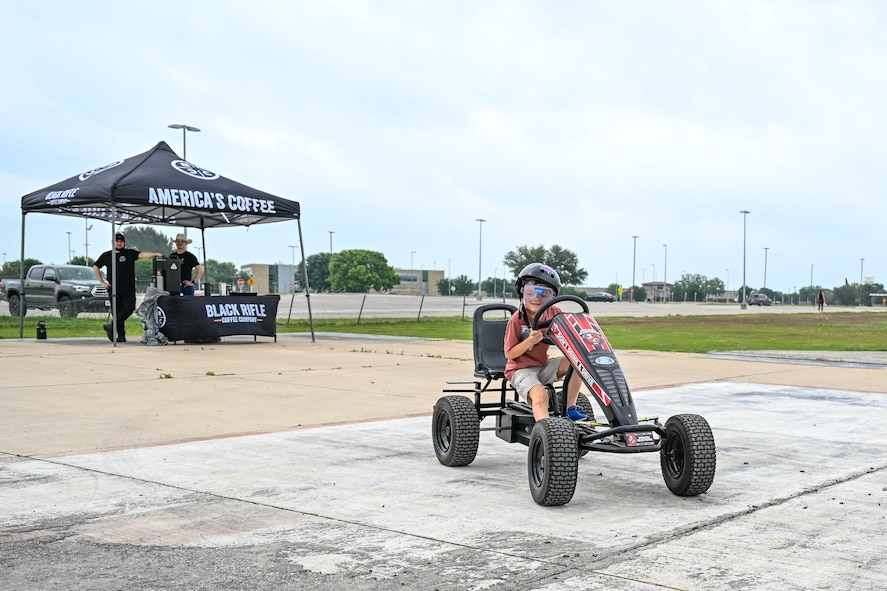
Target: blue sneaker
<point>575,413</point>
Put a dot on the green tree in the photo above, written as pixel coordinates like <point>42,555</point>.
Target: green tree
<point>318,266</point>
<point>82,261</point>
<point>220,272</point>
<point>464,286</point>
<point>496,286</point>
<point>10,269</point>
<point>360,270</point>
<point>693,287</point>
<point>147,239</point>
<point>564,261</point>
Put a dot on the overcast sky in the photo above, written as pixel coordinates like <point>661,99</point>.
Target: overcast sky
<point>397,124</point>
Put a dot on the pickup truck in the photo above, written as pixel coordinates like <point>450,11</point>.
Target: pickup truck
<point>70,288</point>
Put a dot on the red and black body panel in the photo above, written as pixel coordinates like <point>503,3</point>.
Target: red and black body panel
<point>582,341</point>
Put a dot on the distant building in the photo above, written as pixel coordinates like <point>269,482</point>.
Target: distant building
<point>658,291</point>
<point>417,282</point>
<point>277,278</point>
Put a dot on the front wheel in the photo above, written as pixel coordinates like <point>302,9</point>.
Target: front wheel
<point>455,430</point>
<point>66,307</point>
<point>553,461</point>
<point>14,303</point>
<point>688,456</point>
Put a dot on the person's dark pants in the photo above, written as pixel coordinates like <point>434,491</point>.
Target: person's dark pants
<point>126,305</point>
<point>187,290</point>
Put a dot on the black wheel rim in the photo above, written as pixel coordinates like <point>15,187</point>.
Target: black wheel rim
<point>537,462</point>
<point>674,455</point>
<point>444,432</point>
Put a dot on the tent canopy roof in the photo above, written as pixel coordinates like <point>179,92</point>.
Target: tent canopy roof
<point>158,187</point>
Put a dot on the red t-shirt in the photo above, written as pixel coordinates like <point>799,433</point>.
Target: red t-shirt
<point>538,354</point>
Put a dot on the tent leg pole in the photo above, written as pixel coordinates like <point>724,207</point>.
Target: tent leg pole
<point>305,280</point>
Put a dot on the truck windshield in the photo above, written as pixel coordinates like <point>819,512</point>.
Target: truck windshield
<point>76,274</point>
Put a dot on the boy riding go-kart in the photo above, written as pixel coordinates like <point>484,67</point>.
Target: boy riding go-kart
<point>558,425</point>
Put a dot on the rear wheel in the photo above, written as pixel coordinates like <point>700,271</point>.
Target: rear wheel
<point>553,461</point>
<point>688,457</point>
<point>455,430</point>
<point>14,302</point>
<point>66,307</point>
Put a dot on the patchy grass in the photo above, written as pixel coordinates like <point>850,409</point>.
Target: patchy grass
<point>841,331</point>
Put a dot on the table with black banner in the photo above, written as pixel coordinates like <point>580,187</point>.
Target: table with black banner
<point>182,318</point>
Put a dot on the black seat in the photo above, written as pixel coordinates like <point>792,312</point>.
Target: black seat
<point>488,335</point>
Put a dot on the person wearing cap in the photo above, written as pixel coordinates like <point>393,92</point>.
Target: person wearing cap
<point>188,264</point>
<point>125,281</point>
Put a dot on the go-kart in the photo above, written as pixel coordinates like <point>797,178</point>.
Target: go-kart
<point>685,443</point>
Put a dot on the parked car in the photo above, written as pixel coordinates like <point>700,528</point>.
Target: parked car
<point>600,296</point>
<point>759,299</point>
<point>69,288</point>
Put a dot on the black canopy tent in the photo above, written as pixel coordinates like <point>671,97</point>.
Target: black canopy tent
<point>159,188</point>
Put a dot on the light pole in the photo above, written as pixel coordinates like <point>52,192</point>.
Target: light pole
<point>861,261</point>
<point>412,252</point>
<point>293,252</point>
<point>766,248</point>
<point>86,244</point>
<point>69,247</point>
<point>185,129</point>
<point>331,232</point>
<point>480,242</point>
<point>811,274</point>
<point>728,279</point>
<point>744,218</point>
<point>634,258</point>
<point>665,276</point>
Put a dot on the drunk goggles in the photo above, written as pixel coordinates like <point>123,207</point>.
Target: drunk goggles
<point>538,292</point>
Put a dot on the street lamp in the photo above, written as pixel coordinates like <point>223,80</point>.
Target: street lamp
<point>412,252</point>
<point>811,274</point>
<point>861,261</point>
<point>766,248</point>
<point>634,258</point>
<point>69,247</point>
<point>665,276</point>
<point>744,218</point>
<point>480,241</point>
<point>86,244</point>
<point>331,232</point>
<point>185,129</point>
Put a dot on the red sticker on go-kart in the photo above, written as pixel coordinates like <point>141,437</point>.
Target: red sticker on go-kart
<point>642,439</point>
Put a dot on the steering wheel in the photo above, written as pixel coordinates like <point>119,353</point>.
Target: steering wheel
<point>536,325</point>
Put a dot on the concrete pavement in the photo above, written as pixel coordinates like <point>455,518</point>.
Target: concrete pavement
<point>294,465</point>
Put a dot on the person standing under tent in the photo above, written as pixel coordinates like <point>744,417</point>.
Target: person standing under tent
<point>189,263</point>
<point>125,281</point>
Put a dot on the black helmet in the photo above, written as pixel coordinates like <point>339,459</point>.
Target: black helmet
<point>540,273</point>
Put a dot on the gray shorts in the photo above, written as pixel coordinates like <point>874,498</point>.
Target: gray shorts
<point>524,379</point>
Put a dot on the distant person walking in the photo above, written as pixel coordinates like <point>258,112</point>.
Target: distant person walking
<point>820,301</point>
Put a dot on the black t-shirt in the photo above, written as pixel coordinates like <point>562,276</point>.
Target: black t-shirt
<point>126,269</point>
<point>189,261</point>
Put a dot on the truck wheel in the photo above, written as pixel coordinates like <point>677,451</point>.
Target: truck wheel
<point>14,302</point>
<point>66,307</point>
<point>553,461</point>
<point>688,456</point>
<point>455,430</point>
